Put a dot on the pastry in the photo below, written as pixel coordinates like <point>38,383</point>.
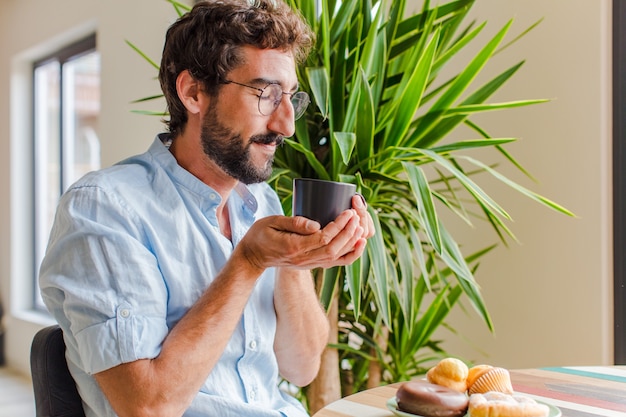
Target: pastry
<point>430,400</point>
<point>486,378</point>
<point>498,404</point>
<point>449,372</point>
<point>475,372</point>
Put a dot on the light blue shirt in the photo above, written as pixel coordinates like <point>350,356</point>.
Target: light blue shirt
<point>132,248</point>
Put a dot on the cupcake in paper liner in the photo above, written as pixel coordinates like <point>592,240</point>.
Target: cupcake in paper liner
<point>495,379</point>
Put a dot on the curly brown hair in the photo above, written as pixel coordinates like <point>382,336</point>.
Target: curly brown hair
<point>207,40</point>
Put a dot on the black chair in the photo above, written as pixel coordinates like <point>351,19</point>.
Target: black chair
<point>55,390</point>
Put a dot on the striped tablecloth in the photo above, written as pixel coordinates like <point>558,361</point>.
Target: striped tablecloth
<point>577,391</point>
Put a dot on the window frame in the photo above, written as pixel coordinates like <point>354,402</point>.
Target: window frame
<point>619,181</point>
<point>62,56</point>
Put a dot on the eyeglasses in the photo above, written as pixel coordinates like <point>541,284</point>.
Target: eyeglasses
<point>271,95</point>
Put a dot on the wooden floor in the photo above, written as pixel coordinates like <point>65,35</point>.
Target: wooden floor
<point>16,395</point>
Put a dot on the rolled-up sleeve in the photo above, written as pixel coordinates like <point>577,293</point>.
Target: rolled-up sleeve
<point>99,270</point>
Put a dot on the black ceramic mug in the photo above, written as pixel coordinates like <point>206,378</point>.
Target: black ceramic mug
<point>321,200</point>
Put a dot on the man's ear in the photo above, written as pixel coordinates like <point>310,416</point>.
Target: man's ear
<point>188,89</point>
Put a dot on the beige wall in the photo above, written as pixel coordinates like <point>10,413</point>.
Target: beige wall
<point>549,295</point>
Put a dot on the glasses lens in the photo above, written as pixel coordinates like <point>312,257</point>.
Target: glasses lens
<point>300,101</point>
<point>270,99</point>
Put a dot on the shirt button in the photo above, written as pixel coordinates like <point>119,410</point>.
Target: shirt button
<point>252,395</point>
<point>213,196</point>
<point>125,313</point>
<point>253,345</point>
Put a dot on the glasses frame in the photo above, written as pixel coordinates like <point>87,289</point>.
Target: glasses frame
<point>300,96</point>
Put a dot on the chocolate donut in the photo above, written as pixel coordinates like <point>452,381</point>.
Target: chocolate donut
<point>431,400</point>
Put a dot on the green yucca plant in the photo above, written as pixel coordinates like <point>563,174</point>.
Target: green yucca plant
<point>380,117</point>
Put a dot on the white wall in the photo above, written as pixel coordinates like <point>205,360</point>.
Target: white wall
<point>550,296</point>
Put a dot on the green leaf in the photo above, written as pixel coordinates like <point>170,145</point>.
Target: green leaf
<point>307,9</point>
<point>378,279</point>
<point>506,154</point>
<point>420,255</point>
<point>471,71</point>
<point>475,108</point>
<point>365,120</point>
<point>329,285</point>
<point>320,87</point>
<point>404,289</point>
<point>457,87</point>
<point>412,93</point>
<point>302,133</point>
<point>429,321</point>
<point>310,157</point>
<point>341,21</point>
<point>532,195</point>
<point>150,98</point>
<point>143,55</point>
<point>471,144</point>
<point>150,113</point>
<point>492,85</point>
<point>454,258</point>
<point>469,185</point>
<point>373,55</point>
<point>346,142</point>
<point>356,275</point>
<point>518,37</point>
<point>323,38</point>
<point>180,8</point>
<point>466,282</point>
<point>425,206</point>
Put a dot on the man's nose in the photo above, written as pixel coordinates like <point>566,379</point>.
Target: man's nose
<point>282,120</point>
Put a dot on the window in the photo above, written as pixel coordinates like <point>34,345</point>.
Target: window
<point>66,97</point>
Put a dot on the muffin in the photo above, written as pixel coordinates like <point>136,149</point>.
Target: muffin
<point>487,378</point>
<point>449,372</point>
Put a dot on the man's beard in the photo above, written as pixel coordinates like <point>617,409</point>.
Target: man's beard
<point>231,154</point>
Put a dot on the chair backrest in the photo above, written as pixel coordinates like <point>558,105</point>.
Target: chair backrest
<point>55,390</point>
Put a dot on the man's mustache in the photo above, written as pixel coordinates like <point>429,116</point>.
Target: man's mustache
<point>268,139</point>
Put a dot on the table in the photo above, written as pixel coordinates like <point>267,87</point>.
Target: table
<point>579,391</point>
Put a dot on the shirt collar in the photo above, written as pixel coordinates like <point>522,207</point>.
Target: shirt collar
<point>160,150</point>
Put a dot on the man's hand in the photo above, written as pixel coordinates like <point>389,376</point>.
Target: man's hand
<point>297,242</point>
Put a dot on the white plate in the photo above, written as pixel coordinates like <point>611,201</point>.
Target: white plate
<point>392,405</point>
